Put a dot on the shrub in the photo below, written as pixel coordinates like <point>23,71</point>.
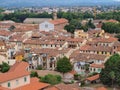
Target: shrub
<point>33,74</point>
<point>39,67</point>
<point>77,76</point>
<point>92,74</point>
<point>58,78</point>
<point>51,79</point>
<point>4,67</point>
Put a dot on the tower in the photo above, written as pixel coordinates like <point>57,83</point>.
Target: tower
<point>94,12</point>
<point>54,15</point>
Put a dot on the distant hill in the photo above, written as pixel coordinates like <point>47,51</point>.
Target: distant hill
<point>29,3</point>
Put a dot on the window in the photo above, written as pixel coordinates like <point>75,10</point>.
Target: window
<point>17,82</point>
<point>99,69</point>
<point>19,44</point>
<point>8,84</point>
<point>46,25</point>
<point>8,62</point>
<point>25,79</point>
<point>55,45</point>
<point>102,52</point>
<point>91,69</point>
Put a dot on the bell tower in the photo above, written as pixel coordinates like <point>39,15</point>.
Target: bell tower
<point>54,15</point>
<point>94,12</point>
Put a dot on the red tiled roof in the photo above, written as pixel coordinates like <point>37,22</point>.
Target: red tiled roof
<point>3,88</point>
<point>86,57</point>
<point>32,42</point>
<point>2,43</point>
<point>92,78</point>
<point>18,70</point>
<point>96,48</point>
<point>97,65</point>
<point>59,21</point>
<point>34,85</point>
<point>75,40</point>
<point>52,88</point>
<point>73,72</point>
<point>19,66</point>
<point>106,40</point>
<point>68,87</point>
<point>12,75</point>
<point>4,33</point>
<point>111,20</point>
<point>101,88</point>
<point>17,37</point>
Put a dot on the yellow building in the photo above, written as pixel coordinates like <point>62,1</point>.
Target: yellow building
<point>80,34</point>
<point>19,56</point>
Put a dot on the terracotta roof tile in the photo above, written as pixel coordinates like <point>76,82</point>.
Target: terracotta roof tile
<point>34,85</point>
<point>5,33</point>
<point>75,40</point>
<point>96,48</point>
<point>3,88</point>
<point>18,70</point>
<point>97,65</point>
<point>17,37</point>
<point>2,43</point>
<point>92,78</point>
<point>67,87</point>
<point>73,72</point>
<point>86,57</point>
<point>101,88</point>
<point>59,21</point>
<point>52,88</point>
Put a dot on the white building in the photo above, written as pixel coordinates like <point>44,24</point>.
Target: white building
<point>46,26</point>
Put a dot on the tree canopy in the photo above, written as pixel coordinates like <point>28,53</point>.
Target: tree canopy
<point>64,65</point>
<point>109,15</point>
<point>111,27</point>
<point>4,67</point>
<point>51,79</point>
<point>34,74</point>
<point>90,24</point>
<point>20,16</point>
<point>111,73</point>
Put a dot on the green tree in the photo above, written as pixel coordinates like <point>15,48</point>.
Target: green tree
<point>73,25</point>
<point>64,65</point>
<point>34,74</point>
<point>118,36</point>
<point>12,28</point>
<point>109,15</point>
<point>111,73</point>
<point>90,24</point>
<point>24,59</point>
<point>111,27</point>
<point>4,67</point>
<point>39,67</point>
<point>51,79</point>
<point>112,76</point>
